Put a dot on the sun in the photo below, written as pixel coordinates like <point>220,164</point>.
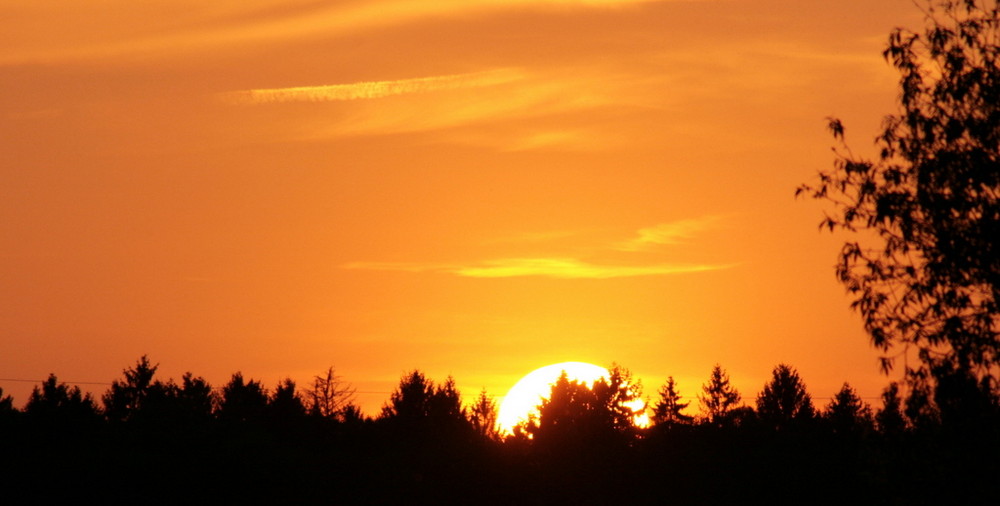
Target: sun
<point>524,397</point>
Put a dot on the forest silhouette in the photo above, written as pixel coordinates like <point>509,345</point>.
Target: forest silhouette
<point>164,441</point>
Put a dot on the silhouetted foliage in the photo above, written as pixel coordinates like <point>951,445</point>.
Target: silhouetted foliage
<point>6,404</point>
<point>242,401</point>
<point>421,409</point>
<point>411,400</point>
<point>195,398</point>
<point>890,419</point>
<point>920,408</point>
<point>570,413</point>
<point>483,416</point>
<point>445,405</point>
<point>784,400</point>
<point>718,396</point>
<point>575,414</point>
<point>329,395</point>
<point>351,415</point>
<point>847,413</point>
<point>427,449</point>
<point>127,399</point>
<point>930,283</point>
<point>667,411</point>
<point>285,405</point>
<point>57,402</point>
<point>621,396</point>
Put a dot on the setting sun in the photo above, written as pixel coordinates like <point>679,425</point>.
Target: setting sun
<point>523,398</point>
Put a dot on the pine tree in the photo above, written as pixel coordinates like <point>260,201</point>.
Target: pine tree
<point>483,416</point>
<point>847,413</point>
<point>784,400</point>
<point>719,397</point>
<point>890,419</point>
<point>667,411</point>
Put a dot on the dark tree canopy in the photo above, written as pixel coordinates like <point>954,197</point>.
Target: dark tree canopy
<point>668,409</point>
<point>58,402</point>
<point>784,400</point>
<point>847,413</point>
<point>285,403</point>
<point>128,398</point>
<point>242,400</point>
<point>925,275</point>
<point>483,416</point>
<point>6,404</point>
<point>718,396</point>
<point>575,413</point>
<point>329,395</point>
<point>889,419</point>
<point>420,407</point>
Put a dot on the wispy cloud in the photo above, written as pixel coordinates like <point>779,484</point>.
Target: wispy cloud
<point>372,89</point>
<point>568,267</point>
<point>675,232</point>
<point>533,95</point>
<point>110,36</point>
<point>560,268</point>
<point>497,102</point>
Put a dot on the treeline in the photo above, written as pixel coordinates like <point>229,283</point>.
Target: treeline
<point>164,441</point>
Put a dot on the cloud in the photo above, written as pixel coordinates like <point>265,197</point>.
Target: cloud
<point>499,101</point>
<point>675,232</point>
<point>564,267</point>
<point>569,268</point>
<point>114,34</point>
<point>372,89</point>
<point>559,268</point>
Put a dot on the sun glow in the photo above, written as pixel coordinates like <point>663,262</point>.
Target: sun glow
<point>523,398</point>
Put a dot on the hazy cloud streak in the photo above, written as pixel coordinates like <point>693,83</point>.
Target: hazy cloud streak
<point>675,232</point>
<point>560,268</point>
<point>372,89</point>
<point>105,37</point>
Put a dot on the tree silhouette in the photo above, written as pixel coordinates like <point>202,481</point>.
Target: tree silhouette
<point>928,278</point>
<point>7,405</point>
<point>59,403</point>
<point>445,405</point>
<point>195,398</point>
<point>784,400</point>
<point>125,400</point>
<point>574,413</point>
<point>667,411</point>
<point>889,418</point>
<point>483,416</point>
<point>285,405</point>
<point>570,413</point>
<point>242,401</point>
<point>620,395</point>
<point>847,413</point>
<point>718,396</point>
<point>329,395</point>
<point>419,409</point>
<point>920,408</point>
<point>411,399</point>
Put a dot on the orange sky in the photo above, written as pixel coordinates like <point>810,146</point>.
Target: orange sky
<point>468,187</point>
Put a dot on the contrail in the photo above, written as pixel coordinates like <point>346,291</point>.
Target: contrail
<point>371,89</point>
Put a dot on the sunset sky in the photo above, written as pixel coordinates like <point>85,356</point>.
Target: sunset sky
<point>469,187</point>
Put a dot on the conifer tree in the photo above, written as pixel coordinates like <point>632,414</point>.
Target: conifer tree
<point>668,409</point>
<point>718,396</point>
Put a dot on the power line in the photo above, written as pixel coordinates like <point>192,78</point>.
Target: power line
<point>61,381</point>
